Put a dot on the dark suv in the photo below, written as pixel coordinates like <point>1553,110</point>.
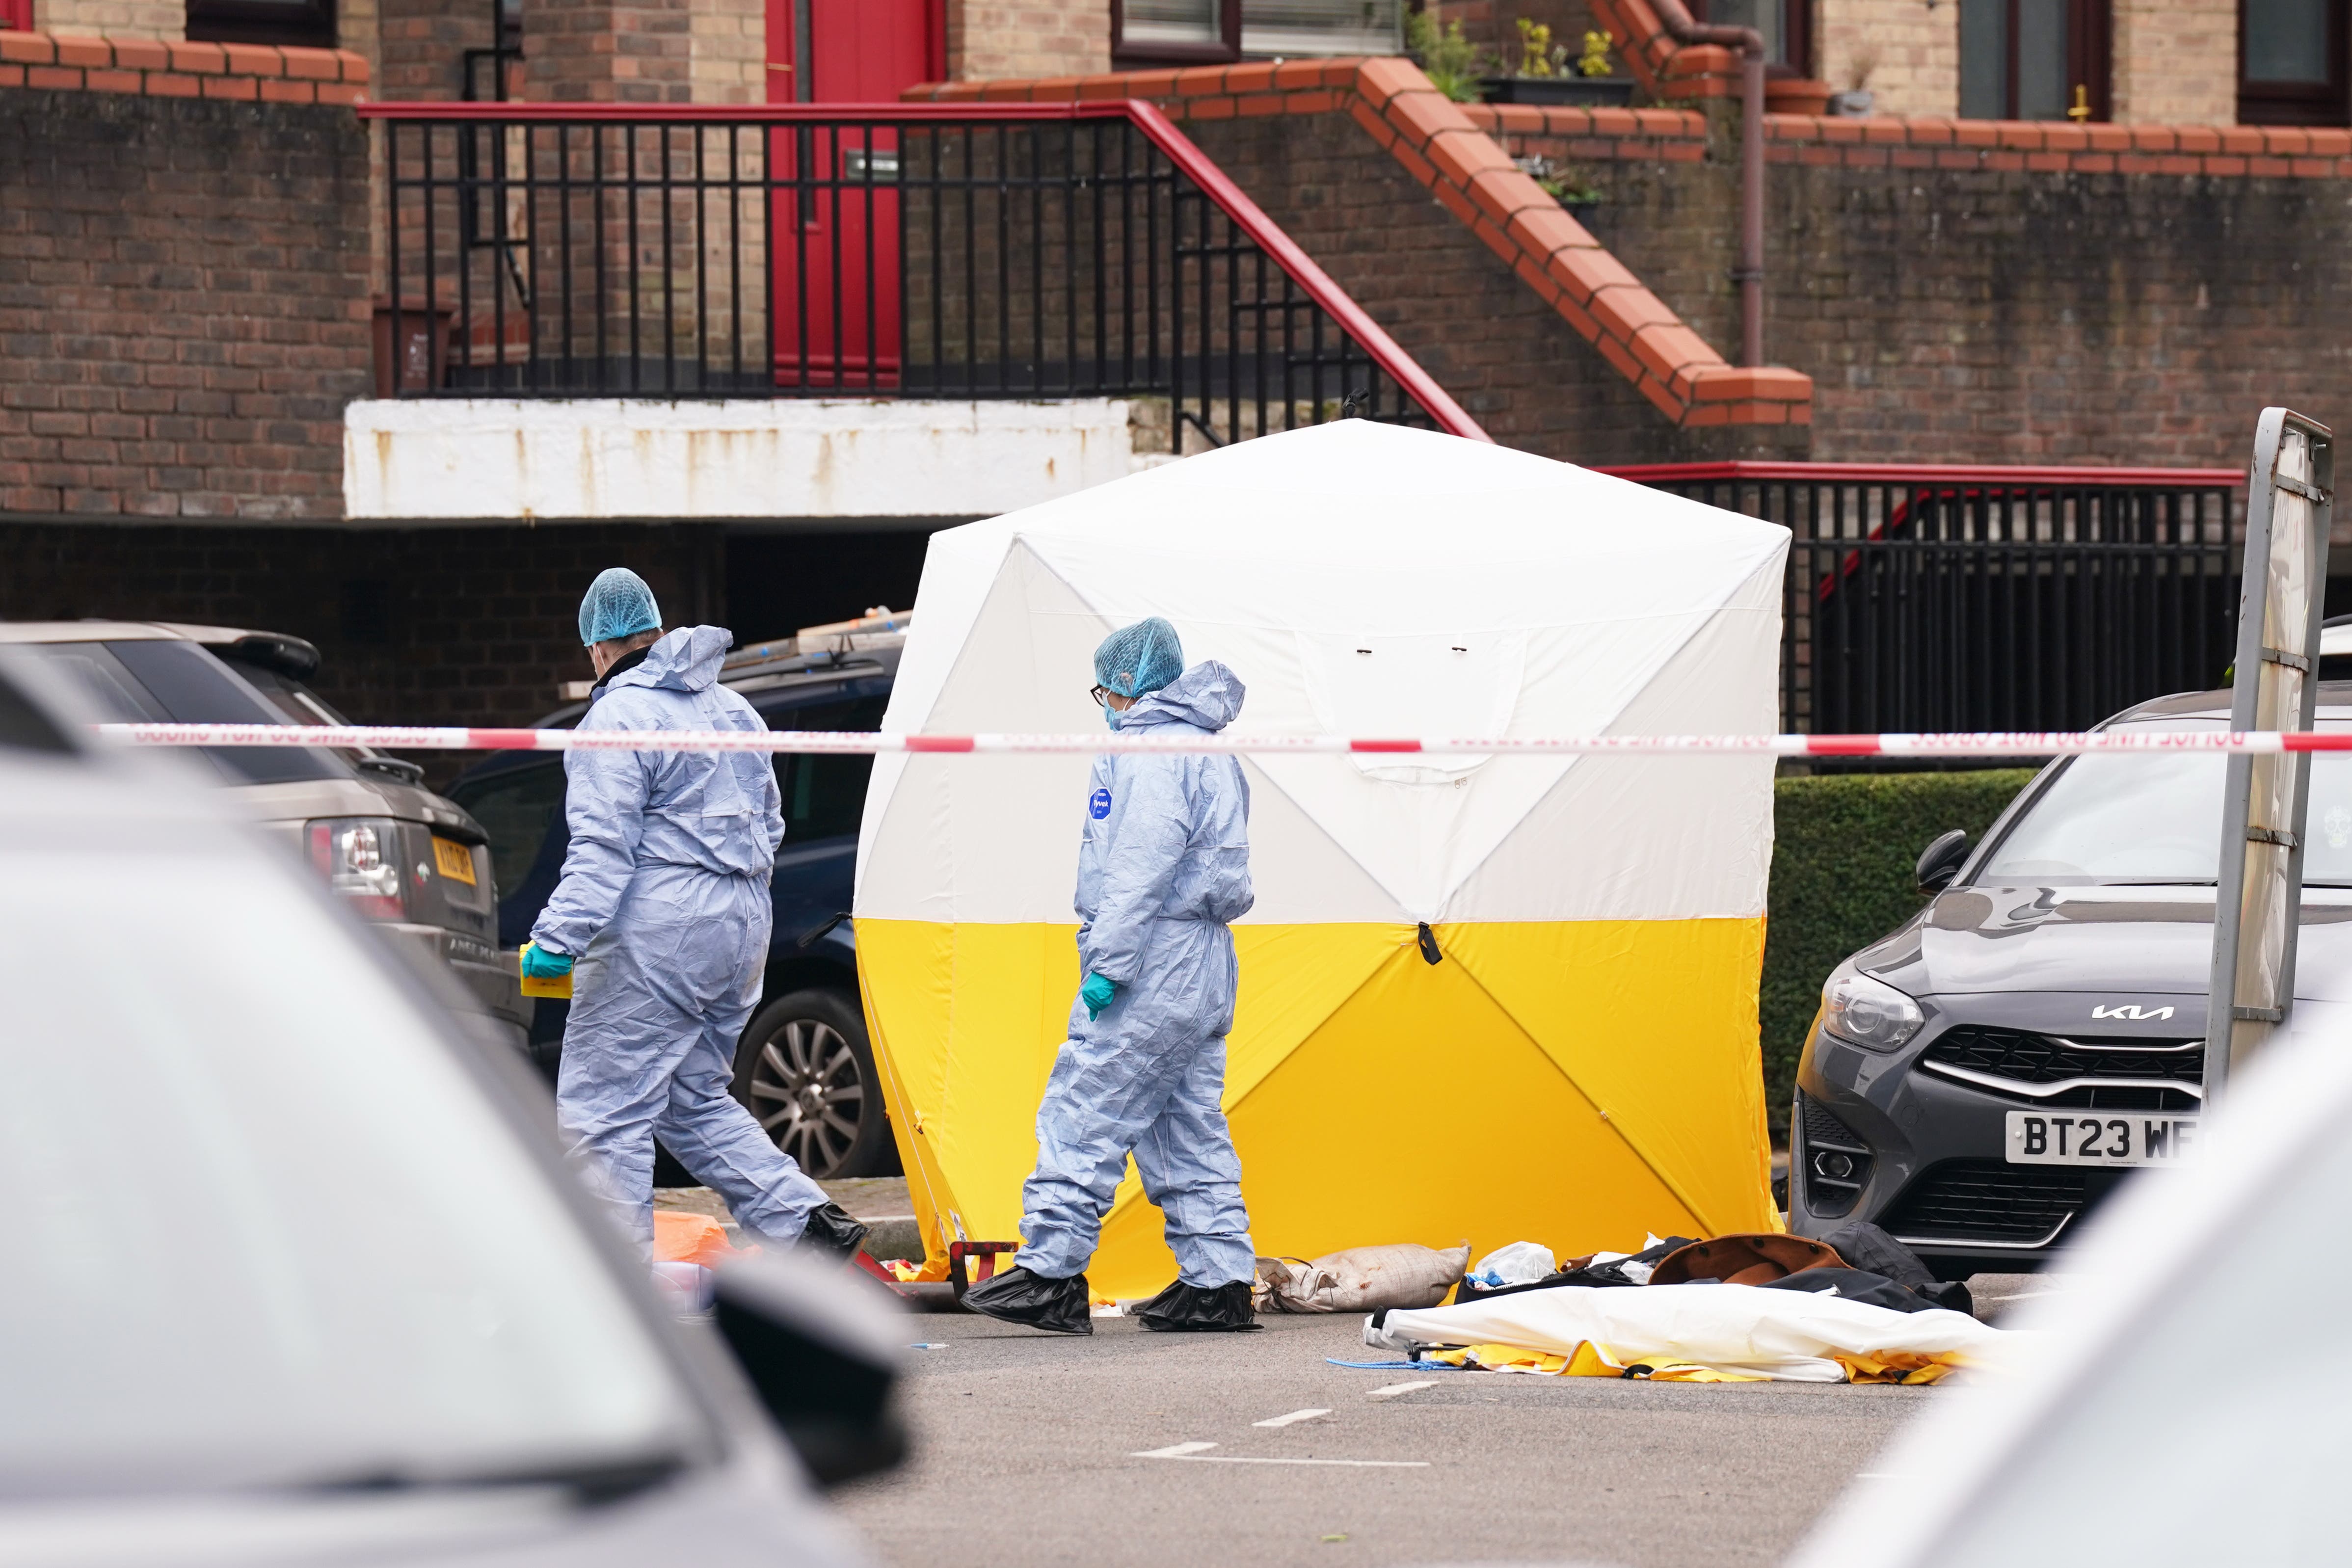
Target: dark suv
<point>1978,1080</point>
<point>803,1067</point>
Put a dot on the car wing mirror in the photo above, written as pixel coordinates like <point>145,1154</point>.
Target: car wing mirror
<point>1941,860</point>
<point>821,1348</point>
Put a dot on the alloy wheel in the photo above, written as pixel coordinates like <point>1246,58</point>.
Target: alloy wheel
<point>808,1094</point>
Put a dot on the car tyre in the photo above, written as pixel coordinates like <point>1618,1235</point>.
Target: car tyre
<point>805,1071</point>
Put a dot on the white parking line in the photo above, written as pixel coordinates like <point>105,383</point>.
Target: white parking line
<point>1192,1451</point>
<point>1395,1389</point>
<point>1295,1416</point>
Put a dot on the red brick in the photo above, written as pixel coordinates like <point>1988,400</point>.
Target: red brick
<point>1464,156</point>
<point>1680,153</point>
<point>66,78</point>
<point>112,82</point>
<point>12,76</point>
<point>1418,116</point>
<point>2220,165</point>
<point>2329,143</point>
<point>198,58</point>
<point>2241,139</point>
<point>310,65</point>
<point>1413,162</point>
<point>1672,352</point>
<point>1380,80</point>
<point>1975,132</point>
<point>27,48</point>
<point>1291,76</point>
<point>1209,108</point>
<point>1624,311</point>
<point>1254,104</point>
<point>84,52</point>
<point>1322,101</point>
<point>2152,139</point>
<point>2102,163</point>
<point>1454,201</point>
<point>164,84</point>
<point>1583,273</point>
<point>1931,131</point>
<point>1840,130</point>
<point>1616,122</point>
<point>2024,135</point>
<point>1540,230</point>
<point>2286,141</point>
<point>1247,79</point>
<point>2050,163</point>
<point>1517,118</point>
<point>2315,168</point>
<point>1365,115</point>
<point>1150,85</point>
<point>1501,192</point>
<point>2066,138</point>
<point>255,59</point>
<point>289,92</point>
<point>231,87</point>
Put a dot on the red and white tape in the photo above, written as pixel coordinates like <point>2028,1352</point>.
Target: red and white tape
<point>1983,744</point>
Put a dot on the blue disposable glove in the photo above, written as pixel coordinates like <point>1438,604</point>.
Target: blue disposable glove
<point>539,964</point>
<point>1096,994</point>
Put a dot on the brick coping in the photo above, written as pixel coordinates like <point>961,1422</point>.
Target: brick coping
<point>1450,153</point>
<point>249,72</point>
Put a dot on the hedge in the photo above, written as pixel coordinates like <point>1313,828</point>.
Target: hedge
<point>1844,846</point>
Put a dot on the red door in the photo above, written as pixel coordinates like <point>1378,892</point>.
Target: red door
<point>837,229</point>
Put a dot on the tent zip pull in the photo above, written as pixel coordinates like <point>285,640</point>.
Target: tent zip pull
<point>1429,953</point>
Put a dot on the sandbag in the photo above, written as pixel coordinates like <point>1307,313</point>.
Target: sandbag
<point>1360,1279</point>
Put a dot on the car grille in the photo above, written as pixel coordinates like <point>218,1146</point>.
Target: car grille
<point>2072,1071</point>
<point>1987,1200</point>
<point>1837,1162</point>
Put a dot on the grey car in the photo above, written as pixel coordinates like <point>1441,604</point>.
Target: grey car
<point>394,851</point>
<point>1985,1076</point>
<point>325,1292</point>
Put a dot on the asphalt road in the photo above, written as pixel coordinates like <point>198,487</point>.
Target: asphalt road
<point>1028,1453</point>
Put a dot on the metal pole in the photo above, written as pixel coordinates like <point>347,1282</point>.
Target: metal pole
<point>1751,203</point>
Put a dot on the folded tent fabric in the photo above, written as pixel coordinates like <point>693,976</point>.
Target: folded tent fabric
<point>1786,1335</point>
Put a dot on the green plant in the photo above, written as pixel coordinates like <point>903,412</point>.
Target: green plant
<point>1535,49</point>
<point>1451,61</point>
<point>1594,61</point>
<point>1844,846</point>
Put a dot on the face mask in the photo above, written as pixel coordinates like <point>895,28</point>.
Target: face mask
<point>1110,717</point>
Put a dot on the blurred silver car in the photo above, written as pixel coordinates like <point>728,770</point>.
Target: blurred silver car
<point>322,1290</point>
<point>396,852</point>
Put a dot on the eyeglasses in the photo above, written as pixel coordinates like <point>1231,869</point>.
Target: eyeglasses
<point>1101,696</point>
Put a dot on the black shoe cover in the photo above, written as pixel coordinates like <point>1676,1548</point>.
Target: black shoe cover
<point>831,1233</point>
<point>1033,1300</point>
<point>1198,1309</point>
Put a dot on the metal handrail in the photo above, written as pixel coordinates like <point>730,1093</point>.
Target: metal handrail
<point>1927,473</point>
<point>1379,349</point>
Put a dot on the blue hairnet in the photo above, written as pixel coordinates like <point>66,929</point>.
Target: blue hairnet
<point>618,604</point>
<point>1139,658</point>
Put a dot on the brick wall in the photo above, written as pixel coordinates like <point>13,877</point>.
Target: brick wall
<point>1492,342</point>
<point>1907,53</point>
<point>422,45</point>
<point>114,18</point>
<point>730,43</point>
<point>2176,61</point>
<point>426,626</point>
<point>182,287</point>
<point>1027,38</point>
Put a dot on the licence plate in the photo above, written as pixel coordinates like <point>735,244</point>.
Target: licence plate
<point>2056,1138</point>
<point>453,860</point>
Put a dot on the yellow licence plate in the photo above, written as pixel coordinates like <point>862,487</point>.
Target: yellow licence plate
<point>453,860</point>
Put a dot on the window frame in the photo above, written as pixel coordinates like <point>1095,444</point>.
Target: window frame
<point>2089,39</point>
<point>303,24</point>
<point>2299,103</point>
<point>1229,24</point>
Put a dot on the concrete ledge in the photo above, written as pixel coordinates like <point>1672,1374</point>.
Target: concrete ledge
<point>483,459</point>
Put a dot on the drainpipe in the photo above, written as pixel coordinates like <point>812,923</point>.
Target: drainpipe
<point>1750,273</point>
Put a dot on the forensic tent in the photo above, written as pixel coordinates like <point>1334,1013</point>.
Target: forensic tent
<point>1570,1056</point>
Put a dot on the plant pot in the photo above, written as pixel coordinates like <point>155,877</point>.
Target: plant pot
<point>1854,104</point>
<point>1796,95</point>
<point>1582,92</point>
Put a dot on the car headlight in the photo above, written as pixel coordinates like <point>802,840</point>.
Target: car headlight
<point>1870,1013</point>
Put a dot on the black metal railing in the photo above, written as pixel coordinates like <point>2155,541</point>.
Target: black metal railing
<point>1989,599</point>
<point>970,251</point>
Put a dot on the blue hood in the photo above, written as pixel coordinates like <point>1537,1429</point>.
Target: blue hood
<point>1208,696</point>
<point>686,660</point>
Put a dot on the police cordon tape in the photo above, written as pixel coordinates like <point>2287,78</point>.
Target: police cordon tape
<point>1982,744</point>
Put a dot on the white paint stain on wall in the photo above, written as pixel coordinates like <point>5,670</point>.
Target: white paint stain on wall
<point>608,458</point>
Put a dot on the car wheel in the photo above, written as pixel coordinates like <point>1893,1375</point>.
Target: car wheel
<point>805,1071</point>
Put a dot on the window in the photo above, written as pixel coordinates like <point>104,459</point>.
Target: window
<point>307,23</point>
<point>1177,32</point>
<point>2290,63</point>
<point>824,793</point>
<point>2034,59</point>
<point>1785,24</point>
<point>1197,32</point>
